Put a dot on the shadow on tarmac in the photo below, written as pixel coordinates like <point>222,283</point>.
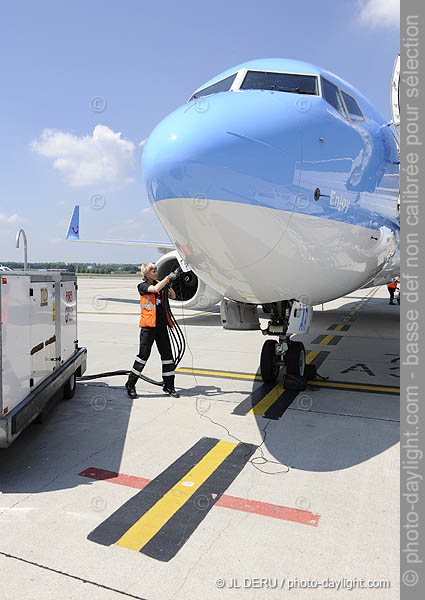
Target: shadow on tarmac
<point>327,430</point>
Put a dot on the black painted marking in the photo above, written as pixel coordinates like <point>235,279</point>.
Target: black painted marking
<point>278,408</point>
<point>360,367</point>
<point>253,399</point>
<point>280,405</point>
<point>320,358</point>
<point>171,537</point>
<point>332,342</point>
<point>114,527</point>
<point>335,325</point>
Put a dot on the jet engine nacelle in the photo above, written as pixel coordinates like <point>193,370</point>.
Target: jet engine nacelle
<point>191,292</point>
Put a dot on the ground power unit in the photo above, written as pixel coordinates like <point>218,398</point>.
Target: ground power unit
<point>39,353</point>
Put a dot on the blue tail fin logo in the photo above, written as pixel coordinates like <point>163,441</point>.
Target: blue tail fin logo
<point>74,225</point>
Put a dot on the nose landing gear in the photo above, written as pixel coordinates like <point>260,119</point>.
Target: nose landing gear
<point>272,359</point>
<point>275,354</point>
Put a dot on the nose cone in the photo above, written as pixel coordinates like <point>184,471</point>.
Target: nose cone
<point>222,173</point>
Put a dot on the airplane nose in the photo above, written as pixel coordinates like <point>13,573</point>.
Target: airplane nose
<point>222,173</point>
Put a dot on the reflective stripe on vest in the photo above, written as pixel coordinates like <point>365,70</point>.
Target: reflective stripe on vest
<point>147,310</point>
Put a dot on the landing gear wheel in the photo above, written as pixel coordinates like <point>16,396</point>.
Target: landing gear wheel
<point>269,362</point>
<point>69,388</point>
<point>295,359</point>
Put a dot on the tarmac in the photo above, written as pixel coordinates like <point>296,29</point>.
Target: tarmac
<point>234,490</point>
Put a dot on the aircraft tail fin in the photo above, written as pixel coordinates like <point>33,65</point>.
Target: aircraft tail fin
<point>74,225</point>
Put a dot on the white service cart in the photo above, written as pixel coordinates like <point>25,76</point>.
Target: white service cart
<point>39,353</point>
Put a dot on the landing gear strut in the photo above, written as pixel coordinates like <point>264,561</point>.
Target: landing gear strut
<point>276,354</point>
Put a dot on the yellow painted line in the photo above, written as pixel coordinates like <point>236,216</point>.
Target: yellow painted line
<point>326,340</point>
<point>360,304</point>
<point>220,373</point>
<point>311,356</point>
<point>355,386</point>
<point>338,327</point>
<point>267,401</point>
<point>156,517</point>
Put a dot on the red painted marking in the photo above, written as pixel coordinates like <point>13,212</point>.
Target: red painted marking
<point>285,513</point>
<point>269,510</point>
<point>129,480</point>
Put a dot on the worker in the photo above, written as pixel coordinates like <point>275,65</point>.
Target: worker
<point>392,286</point>
<point>153,327</point>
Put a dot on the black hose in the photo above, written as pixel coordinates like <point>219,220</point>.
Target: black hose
<point>178,345</point>
<point>114,373</point>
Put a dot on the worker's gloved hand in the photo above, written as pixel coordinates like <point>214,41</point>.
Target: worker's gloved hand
<point>172,276</point>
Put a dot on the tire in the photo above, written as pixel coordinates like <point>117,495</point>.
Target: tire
<point>269,365</point>
<point>69,388</point>
<point>295,359</point>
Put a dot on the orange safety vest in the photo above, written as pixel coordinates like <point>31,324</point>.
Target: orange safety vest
<point>393,284</point>
<point>148,311</point>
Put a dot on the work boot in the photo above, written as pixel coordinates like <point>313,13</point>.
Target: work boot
<point>391,302</point>
<point>131,391</point>
<point>171,392</point>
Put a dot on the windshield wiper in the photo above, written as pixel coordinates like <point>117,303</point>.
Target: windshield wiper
<point>296,90</point>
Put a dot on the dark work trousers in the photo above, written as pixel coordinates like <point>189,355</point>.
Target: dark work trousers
<point>391,292</point>
<point>148,335</point>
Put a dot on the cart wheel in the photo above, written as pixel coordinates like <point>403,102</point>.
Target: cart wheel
<point>269,364</point>
<point>295,359</point>
<point>69,388</point>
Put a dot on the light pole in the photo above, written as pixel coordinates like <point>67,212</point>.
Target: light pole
<point>18,235</point>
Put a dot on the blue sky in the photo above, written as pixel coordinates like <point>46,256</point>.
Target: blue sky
<point>84,83</point>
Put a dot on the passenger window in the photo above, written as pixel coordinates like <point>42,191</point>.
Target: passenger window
<point>220,86</point>
<point>331,94</point>
<point>352,107</point>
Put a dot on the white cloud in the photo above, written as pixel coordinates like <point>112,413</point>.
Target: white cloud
<point>12,219</point>
<point>380,13</point>
<point>146,212</point>
<point>103,157</point>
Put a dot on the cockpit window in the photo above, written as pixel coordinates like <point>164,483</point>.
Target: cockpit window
<point>280,82</point>
<point>223,85</point>
<point>352,107</point>
<point>331,94</point>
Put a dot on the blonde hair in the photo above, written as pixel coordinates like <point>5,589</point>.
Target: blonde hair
<point>145,268</point>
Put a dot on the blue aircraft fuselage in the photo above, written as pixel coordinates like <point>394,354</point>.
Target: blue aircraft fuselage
<point>277,180</point>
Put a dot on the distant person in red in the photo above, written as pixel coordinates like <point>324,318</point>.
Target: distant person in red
<point>392,286</point>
